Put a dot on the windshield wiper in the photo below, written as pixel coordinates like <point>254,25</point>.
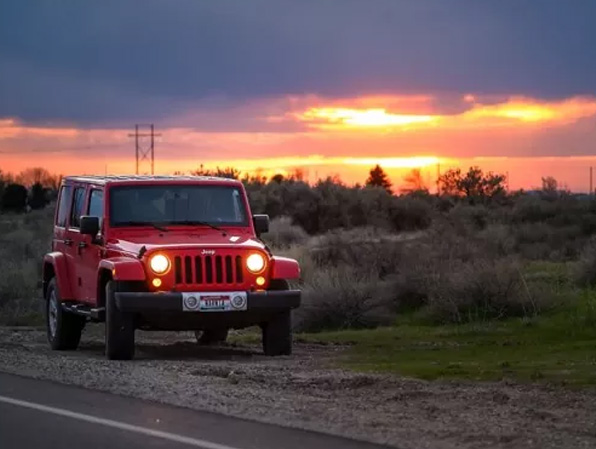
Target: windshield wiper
<point>198,223</point>
<point>143,223</point>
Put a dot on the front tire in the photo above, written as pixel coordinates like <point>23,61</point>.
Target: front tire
<point>277,332</point>
<point>63,328</point>
<point>119,330</point>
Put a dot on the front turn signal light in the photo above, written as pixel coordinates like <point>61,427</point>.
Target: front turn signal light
<point>159,264</point>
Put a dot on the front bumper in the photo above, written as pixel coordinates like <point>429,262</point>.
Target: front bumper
<point>172,301</point>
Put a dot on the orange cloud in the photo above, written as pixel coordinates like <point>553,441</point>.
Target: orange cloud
<point>524,110</point>
<point>328,118</point>
<point>516,111</point>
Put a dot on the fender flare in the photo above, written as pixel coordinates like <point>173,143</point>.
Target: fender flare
<point>57,261</point>
<point>123,268</point>
<point>284,268</point>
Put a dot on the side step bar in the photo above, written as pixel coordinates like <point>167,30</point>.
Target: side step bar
<point>93,313</point>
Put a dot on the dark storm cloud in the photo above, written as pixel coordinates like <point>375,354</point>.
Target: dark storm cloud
<point>90,62</point>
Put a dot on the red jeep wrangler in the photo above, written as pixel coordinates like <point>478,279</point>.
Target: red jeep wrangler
<point>163,253</point>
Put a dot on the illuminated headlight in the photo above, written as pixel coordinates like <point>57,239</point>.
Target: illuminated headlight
<point>255,263</point>
<point>159,264</point>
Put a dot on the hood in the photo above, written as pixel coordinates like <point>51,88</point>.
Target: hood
<point>134,242</point>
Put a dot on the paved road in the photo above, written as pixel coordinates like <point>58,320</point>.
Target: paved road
<point>38,414</point>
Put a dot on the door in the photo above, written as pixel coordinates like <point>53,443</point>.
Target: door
<point>91,250</point>
<point>60,243</point>
<point>73,239</point>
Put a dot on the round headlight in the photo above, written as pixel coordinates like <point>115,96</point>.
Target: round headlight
<point>255,263</point>
<point>159,264</point>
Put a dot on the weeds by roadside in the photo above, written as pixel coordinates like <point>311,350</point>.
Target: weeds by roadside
<point>24,239</point>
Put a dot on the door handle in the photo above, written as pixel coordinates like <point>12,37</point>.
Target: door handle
<point>68,242</point>
<point>81,245</point>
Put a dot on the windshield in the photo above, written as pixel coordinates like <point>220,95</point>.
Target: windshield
<point>177,204</point>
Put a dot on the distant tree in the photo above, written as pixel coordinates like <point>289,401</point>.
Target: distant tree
<point>297,174</point>
<point>36,175</point>
<point>278,178</point>
<point>378,178</point>
<point>474,185</point>
<point>3,183</point>
<point>549,184</point>
<point>14,197</point>
<point>414,182</point>
<point>226,172</point>
<point>37,196</point>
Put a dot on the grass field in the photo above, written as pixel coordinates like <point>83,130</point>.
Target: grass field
<point>557,348</point>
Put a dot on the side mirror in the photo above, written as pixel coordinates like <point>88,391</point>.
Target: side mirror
<point>261,223</point>
<point>89,225</point>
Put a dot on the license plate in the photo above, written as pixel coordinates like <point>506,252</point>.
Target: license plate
<point>214,302</point>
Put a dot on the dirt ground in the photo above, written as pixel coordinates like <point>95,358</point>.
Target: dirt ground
<point>305,391</point>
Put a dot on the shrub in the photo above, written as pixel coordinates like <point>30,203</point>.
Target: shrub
<point>282,233</point>
<point>370,250</point>
<point>409,213</point>
<point>14,198</point>
<point>342,298</point>
<point>465,216</point>
<point>24,240</point>
<point>479,291</point>
<point>584,270</point>
<point>37,197</point>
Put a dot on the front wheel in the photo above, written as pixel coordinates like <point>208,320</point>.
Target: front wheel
<point>277,332</point>
<point>277,335</point>
<point>120,329</point>
<point>63,328</point>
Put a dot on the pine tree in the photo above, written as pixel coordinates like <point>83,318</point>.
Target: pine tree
<point>378,178</point>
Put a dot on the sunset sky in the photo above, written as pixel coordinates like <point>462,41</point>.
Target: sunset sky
<point>329,86</point>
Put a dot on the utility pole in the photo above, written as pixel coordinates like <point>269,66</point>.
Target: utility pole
<point>146,153</point>
<point>438,179</point>
<point>591,182</point>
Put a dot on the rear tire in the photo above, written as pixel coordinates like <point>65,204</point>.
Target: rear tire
<point>211,336</point>
<point>63,328</point>
<point>277,332</point>
<point>119,328</point>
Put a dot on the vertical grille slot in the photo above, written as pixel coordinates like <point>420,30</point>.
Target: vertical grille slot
<point>209,269</point>
<point>188,269</point>
<point>198,269</point>
<point>218,270</point>
<point>178,269</point>
<point>239,278</point>
<point>229,273</point>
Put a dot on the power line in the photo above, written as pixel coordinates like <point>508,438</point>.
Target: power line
<point>145,153</point>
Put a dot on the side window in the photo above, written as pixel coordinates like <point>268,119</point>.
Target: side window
<point>95,208</point>
<point>77,207</point>
<point>63,206</point>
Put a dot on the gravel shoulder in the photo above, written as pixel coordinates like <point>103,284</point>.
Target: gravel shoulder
<point>305,391</point>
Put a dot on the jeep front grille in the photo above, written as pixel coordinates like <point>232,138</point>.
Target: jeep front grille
<point>208,269</point>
